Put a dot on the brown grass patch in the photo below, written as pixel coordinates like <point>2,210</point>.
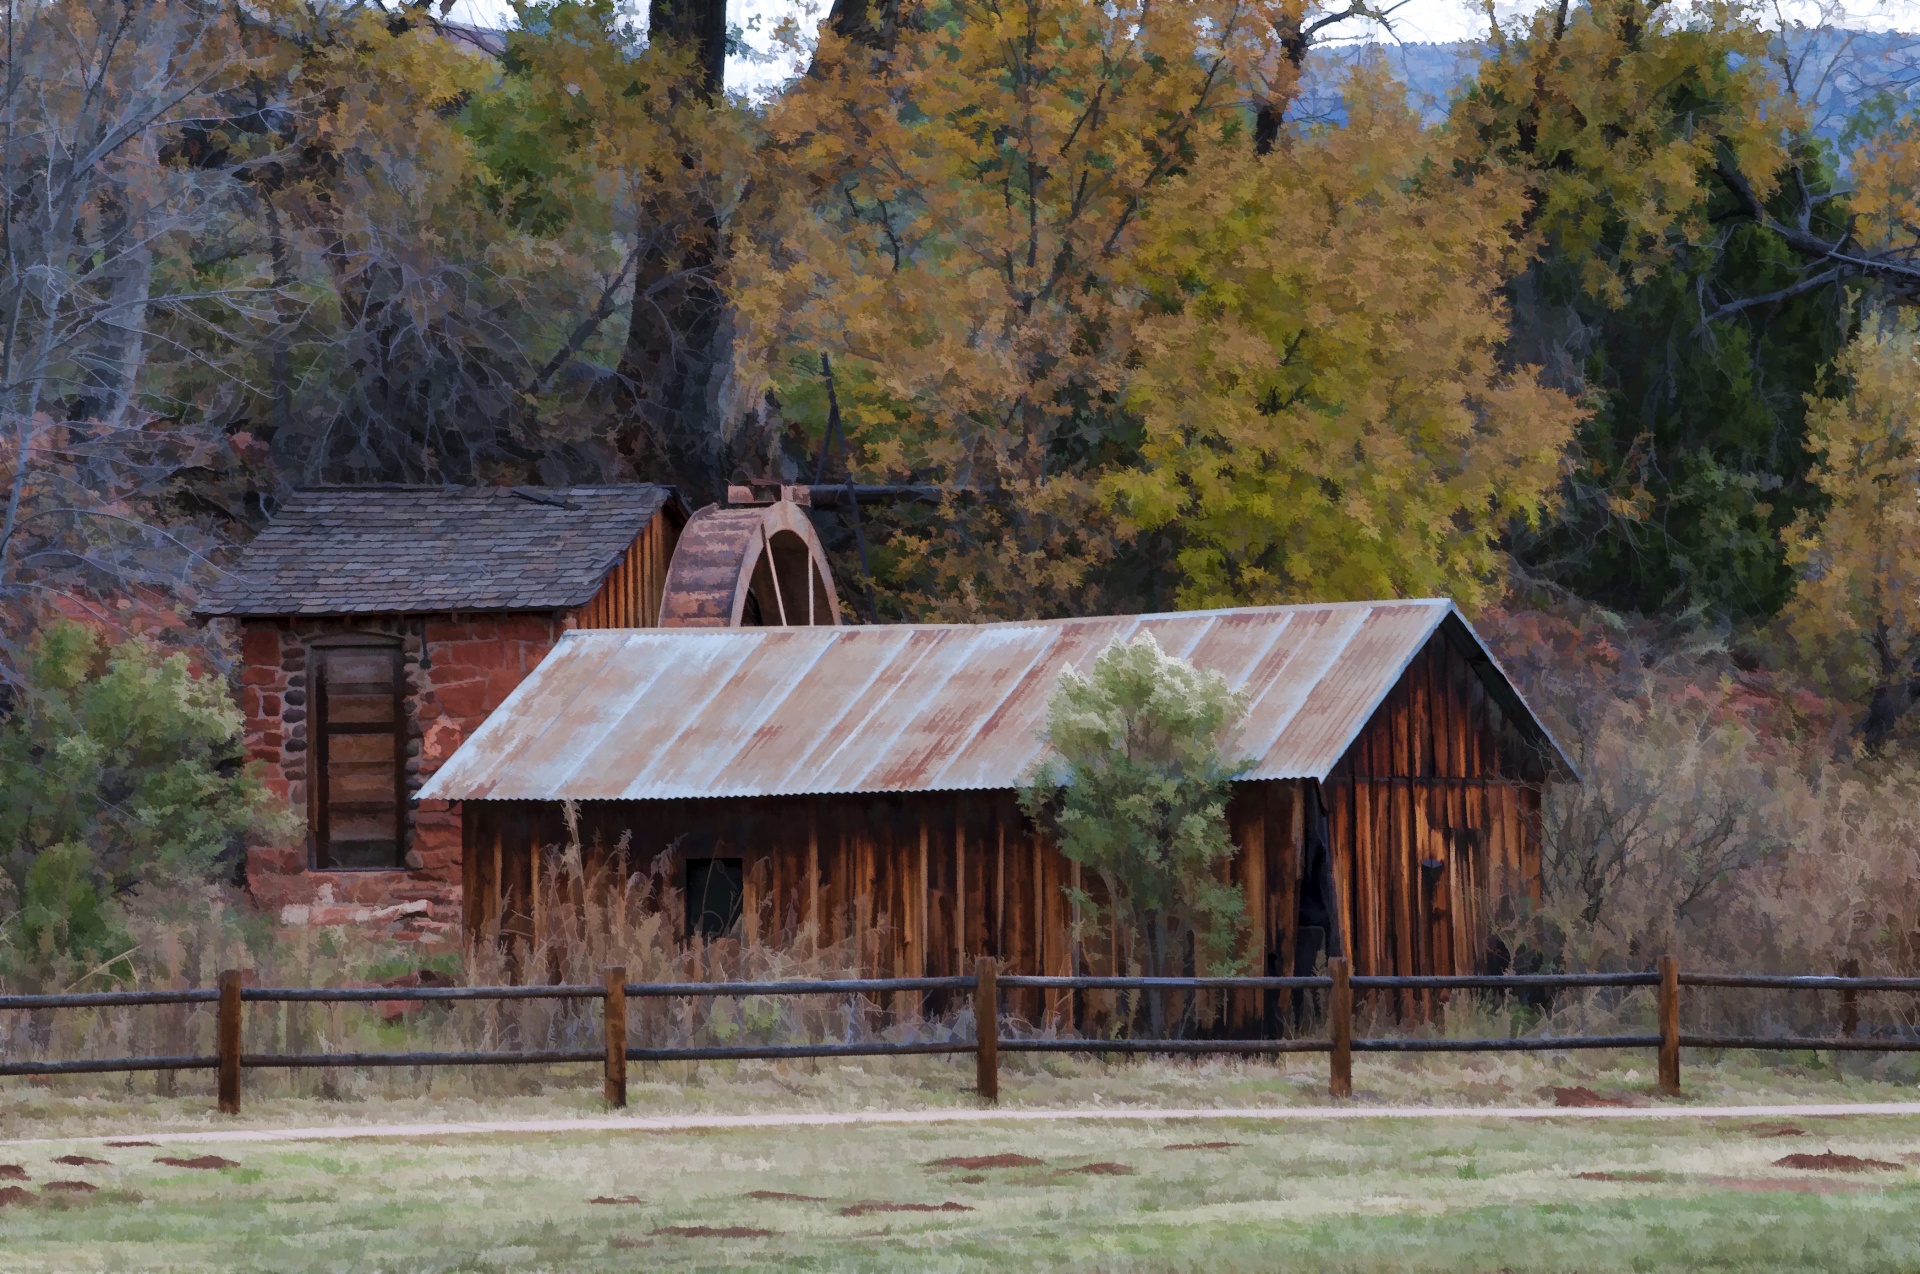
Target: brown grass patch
<point>1773,1130</point>
<point>12,1172</point>
<point>1620,1176</point>
<point>71,1187</point>
<point>10,1195</point>
<point>783,1196</point>
<point>973,1163</point>
<point>127,1145</point>
<point>618,1198</point>
<point>714,1232</point>
<point>867,1207</point>
<point>1831,1162</point>
<point>1582,1096</point>
<point>627,1245</point>
<point>1102,1169</point>
<point>201,1161</point>
<point>1202,1145</point>
<point>81,1161</point>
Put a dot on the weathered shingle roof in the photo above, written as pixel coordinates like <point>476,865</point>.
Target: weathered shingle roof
<point>642,714</point>
<point>414,549</point>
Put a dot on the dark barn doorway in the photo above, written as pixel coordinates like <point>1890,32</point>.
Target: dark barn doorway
<point>715,890</point>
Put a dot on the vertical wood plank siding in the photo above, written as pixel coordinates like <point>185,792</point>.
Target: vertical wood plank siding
<point>1432,820</point>
<point>630,598</point>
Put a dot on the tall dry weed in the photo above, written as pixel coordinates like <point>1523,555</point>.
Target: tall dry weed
<point>1715,819</point>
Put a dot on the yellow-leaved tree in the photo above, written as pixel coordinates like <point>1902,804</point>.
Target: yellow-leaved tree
<point>974,197</point>
<point>1857,606</point>
<point>1620,113</point>
<point>1158,355</point>
<point>1325,409</point>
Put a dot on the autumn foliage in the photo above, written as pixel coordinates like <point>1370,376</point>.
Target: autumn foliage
<point>1615,325</point>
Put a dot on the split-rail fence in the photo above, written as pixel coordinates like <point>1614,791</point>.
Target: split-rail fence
<point>985,985</point>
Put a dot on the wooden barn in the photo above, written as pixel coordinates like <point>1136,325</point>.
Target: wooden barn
<point>866,777</point>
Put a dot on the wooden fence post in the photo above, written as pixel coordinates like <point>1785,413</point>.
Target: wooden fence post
<point>229,1041</point>
<point>1670,1026</point>
<point>1849,1000</point>
<point>986,1030</point>
<point>615,1031</point>
<point>1340,1027</point>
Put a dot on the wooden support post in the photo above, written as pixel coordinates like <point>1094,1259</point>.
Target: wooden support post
<point>230,1042</point>
<point>1849,1000</point>
<point>1670,1026</point>
<point>986,1029</point>
<point>615,1031</point>
<point>1340,1026</point>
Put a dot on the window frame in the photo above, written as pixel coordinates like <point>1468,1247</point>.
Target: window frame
<point>319,839</point>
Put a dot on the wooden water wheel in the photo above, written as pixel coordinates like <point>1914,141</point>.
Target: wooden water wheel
<point>750,565</point>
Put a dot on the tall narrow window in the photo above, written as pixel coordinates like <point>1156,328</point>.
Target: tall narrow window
<point>716,888</point>
<point>358,766</point>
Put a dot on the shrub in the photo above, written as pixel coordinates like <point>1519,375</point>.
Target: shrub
<point>1137,793</point>
<point>120,767</point>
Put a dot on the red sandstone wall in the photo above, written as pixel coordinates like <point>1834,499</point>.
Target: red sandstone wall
<point>458,670</point>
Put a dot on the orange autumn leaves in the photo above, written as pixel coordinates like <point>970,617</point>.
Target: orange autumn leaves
<point>1054,272</point>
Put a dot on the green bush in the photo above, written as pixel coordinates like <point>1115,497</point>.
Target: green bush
<point>1137,794</point>
<point>119,766</point>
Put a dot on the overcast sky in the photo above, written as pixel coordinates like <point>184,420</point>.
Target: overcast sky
<point>1414,21</point>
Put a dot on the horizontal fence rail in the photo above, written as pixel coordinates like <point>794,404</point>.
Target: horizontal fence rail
<point>843,986</point>
<point>984,986</point>
<point>107,999</point>
<point>1770,982</point>
<point>367,994</point>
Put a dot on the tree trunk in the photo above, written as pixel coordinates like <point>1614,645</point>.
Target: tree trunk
<point>679,346</point>
<point>868,22</point>
<point>1890,702</point>
<point>1154,932</point>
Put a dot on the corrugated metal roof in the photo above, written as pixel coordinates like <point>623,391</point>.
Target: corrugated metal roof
<point>641,714</point>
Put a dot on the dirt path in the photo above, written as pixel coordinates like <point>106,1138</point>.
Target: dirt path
<point>695,1123</point>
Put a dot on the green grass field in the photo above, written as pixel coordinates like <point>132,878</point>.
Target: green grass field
<point>1426,1195</point>
<point>1311,1195</point>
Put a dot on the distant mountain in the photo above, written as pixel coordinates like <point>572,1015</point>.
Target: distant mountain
<point>1836,74</point>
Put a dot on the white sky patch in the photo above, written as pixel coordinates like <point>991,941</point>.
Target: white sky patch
<point>1414,22</point>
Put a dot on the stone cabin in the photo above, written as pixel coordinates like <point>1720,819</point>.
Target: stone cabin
<point>378,627</point>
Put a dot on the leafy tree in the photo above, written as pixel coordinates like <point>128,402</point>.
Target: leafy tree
<point>1137,792</point>
<point>119,767</point>
<point>970,200</point>
<point>1856,608</point>
<point>1325,408</point>
<point>1663,163</point>
<point>414,317</point>
<point>619,143</point>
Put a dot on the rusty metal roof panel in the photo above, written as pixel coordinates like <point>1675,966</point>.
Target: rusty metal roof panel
<point>1369,656</point>
<point>635,714</point>
<point>1008,719</point>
